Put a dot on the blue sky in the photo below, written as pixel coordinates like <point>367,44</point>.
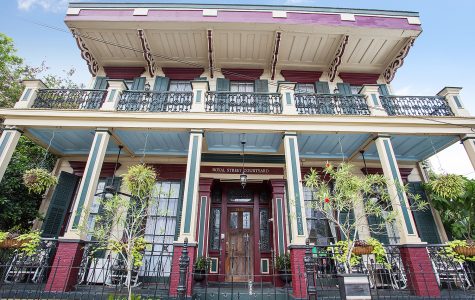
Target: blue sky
<point>442,55</point>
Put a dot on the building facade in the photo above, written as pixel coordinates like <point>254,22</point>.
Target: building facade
<point>206,93</point>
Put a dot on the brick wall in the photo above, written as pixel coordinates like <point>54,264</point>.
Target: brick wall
<point>299,283</point>
<point>419,272</point>
<point>175,270</point>
<point>65,268</point>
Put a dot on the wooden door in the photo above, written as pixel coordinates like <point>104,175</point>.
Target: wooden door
<point>239,244</point>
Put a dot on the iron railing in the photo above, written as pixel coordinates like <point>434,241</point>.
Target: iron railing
<point>150,101</point>
<point>331,104</point>
<point>416,106</point>
<point>69,99</point>
<point>241,102</point>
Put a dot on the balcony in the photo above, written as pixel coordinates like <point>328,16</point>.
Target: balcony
<point>331,104</point>
<point>155,101</point>
<point>416,106</point>
<point>241,102</point>
<point>69,99</point>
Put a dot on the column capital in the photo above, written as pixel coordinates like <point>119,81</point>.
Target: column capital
<point>290,133</point>
<point>205,185</point>
<point>371,93</point>
<point>286,91</point>
<point>114,91</point>
<point>13,128</point>
<point>197,131</point>
<point>98,130</point>
<point>452,96</point>
<point>370,88</point>
<point>449,90</point>
<point>28,96</point>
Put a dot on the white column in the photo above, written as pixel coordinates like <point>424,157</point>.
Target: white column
<point>400,204</point>
<point>114,91</point>
<point>29,93</point>
<point>371,93</point>
<point>8,142</point>
<point>189,213</point>
<point>286,91</point>
<point>298,223</point>
<point>85,194</point>
<point>452,96</point>
<point>200,87</point>
<point>468,142</point>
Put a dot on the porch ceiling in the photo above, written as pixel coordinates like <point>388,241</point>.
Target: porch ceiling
<point>155,142</point>
<point>255,142</point>
<point>330,146</point>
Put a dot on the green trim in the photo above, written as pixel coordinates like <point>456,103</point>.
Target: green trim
<point>400,194</point>
<point>191,183</point>
<point>5,139</point>
<point>26,95</point>
<point>111,96</point>
<point>375,100</point>
<point>296,191</point>
<point>289,224</point>
<point>201,231</point>
<point>87,178</point>
<point>198,96</point>
<point>288,99</point>
<point>264,265</point>
<point>457,101</point>
<point>280,226</point>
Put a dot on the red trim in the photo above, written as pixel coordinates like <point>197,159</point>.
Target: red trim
<point>301,76</point>
<point>171,171</point>
<point>242,74</point>
<point>205,191</point>
<point>359,78</point>
<point>106,171</point>
<point>126,73</point>
<point>183,73</point>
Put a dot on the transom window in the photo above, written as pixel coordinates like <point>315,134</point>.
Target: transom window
<point>242,86</point>
<point>180,86</point>
<point>305,88</point>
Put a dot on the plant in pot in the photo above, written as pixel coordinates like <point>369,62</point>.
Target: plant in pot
<point>283,265</point>
<point>199,269</point>
<point>38,180</point>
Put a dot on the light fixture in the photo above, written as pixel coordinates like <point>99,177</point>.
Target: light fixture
<point>336,91</point>
<point>147,86</point>
<point>243,176</point>
<point>110,190</point>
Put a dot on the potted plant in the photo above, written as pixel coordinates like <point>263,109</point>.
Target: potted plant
<point>283,265</point>
<point>140,180</point>
<point>38,180</point>
<point>362,248</point>
<point>199,269</point>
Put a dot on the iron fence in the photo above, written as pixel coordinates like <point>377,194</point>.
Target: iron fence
<point>416,106</point>
<point>331,104</point>
<point>69,99</point>
<point>242,102</point>
<point>150,101</point>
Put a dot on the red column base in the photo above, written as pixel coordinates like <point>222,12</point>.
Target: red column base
<point>420,275</point>
<point>175,270</point>
<point>64,271</point>
<point>299,282</point>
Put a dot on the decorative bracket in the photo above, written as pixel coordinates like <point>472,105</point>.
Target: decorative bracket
<point>85,52</point>
<point>147,53</point>
<point>398,61</point>
<point>337,59</point>
<point>275,55</point>
<point>210,52</point>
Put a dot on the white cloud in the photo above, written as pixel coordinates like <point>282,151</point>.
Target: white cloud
<point>47,5</point>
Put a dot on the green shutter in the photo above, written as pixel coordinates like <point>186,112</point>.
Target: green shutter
<point>58,207</point>
<point>322,87</point>
<point>374,223</point>
<point>344,88</point>
<point>261,86</point>
<point>161,84</point>
<point>223,85</point>
<point>424,219</point>
<point>383,90</point>
<point>100,83</point>
<point>138,84</point>
<point>179,209</point>
<point>344,215</point>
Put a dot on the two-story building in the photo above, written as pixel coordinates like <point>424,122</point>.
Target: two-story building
<point>232,105</point>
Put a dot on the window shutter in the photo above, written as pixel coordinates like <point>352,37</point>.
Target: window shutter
<point>138,84</point>
<point>223,85</point>
<point>374,223</point>
<point>179,209</point>
<point>60,201</point>
<point>161,84</point>
<point>383,90</point>
<point>344,88</point>
<point>347,215</point>
<point>261,86</point>
<point>322,87</point>
<point>424,219</point>
<point>100,83</point>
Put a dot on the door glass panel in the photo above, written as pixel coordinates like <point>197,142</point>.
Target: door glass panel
<point>233,220</point>
<point>246,220</point>
<point>215,228</point>
<point>264,229</point>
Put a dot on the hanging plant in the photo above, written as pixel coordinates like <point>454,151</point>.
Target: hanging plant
<point>38,180</point>
<point>459,251</point>
<point>448,186</point>
<point>140,180</point>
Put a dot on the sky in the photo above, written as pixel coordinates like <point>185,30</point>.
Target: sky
<point>441,56</point>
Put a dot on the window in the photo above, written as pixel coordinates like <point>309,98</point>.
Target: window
<point>320,231</point>
<point>160,229</point>
<point>355,89</point>
<point>95,208</point>
<point>215,225</point>
<point>305,88</point>
<point>180,86</point>
<point>264,241</point>
<point>242,86</point>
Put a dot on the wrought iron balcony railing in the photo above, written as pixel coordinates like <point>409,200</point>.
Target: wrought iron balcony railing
<point>150,101</point>
<point>69,99</point>
<point>243,102</point>
<point>416,106</point>
<point>331,104</point>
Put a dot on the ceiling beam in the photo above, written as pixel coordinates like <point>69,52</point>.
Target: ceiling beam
<point>86,54</point>
<point>209,36</point>
<point>275,55</point>
<point>364,146</point>
<point>147,53</point>
<point>398,61</point>
<point>336,61</point>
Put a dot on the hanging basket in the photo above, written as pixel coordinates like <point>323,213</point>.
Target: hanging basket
<point>38,180</point>
<point>363,250</point>
<point>11,243</point>
<point>465,250</point>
